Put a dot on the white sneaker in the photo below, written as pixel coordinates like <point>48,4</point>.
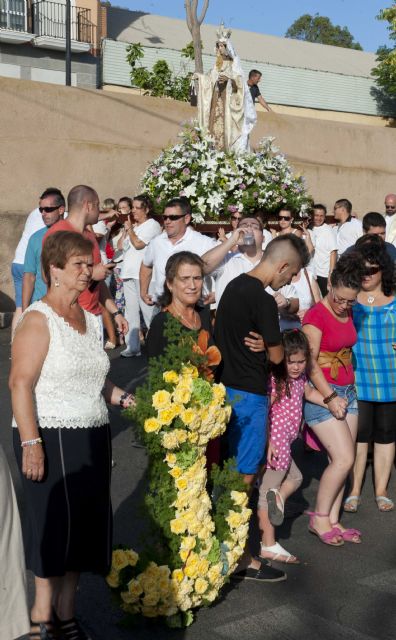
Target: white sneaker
<point>129,354</point>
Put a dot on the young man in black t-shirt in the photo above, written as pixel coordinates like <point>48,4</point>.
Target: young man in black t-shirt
<point>254,79</point>
<point>245,306</point>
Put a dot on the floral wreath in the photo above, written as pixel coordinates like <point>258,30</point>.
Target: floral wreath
<point>199,537</point>
<point>218,183</point>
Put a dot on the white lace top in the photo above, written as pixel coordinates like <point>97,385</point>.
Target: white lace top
<point>68,393</point>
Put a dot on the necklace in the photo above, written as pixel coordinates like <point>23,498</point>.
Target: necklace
<point>190,325</point>
<point>371,298</point>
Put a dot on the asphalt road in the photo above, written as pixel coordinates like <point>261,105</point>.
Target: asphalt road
<point>345,593</point>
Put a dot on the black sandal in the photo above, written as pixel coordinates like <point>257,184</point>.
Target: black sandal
<point>70,629</point>
<point>45,630</point>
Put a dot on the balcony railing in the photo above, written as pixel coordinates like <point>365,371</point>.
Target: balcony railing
<point>13,15</point>
<point>49,19</point>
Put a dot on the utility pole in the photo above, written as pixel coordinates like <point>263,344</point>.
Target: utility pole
<point>68,43</point>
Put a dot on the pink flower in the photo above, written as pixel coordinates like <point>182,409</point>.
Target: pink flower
<point>242,186</point>
<point>232,208</point>
<point>255,194</point>
<point>186,171</point>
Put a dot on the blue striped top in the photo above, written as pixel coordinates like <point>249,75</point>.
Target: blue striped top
<point>374,359</point>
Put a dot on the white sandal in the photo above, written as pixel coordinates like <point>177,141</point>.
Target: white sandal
<point>276,552</point>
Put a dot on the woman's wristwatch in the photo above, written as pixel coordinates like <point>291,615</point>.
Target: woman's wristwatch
<point>123,397</point>
<point>116,313</point>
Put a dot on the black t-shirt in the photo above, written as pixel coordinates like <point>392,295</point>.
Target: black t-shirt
<point>157,342</point>
<point>245,306</point>
<point>254,91</point>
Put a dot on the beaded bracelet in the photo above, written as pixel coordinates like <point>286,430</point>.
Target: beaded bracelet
<point>330,397</point>
<point>30,443</point>
<point>123,397</point>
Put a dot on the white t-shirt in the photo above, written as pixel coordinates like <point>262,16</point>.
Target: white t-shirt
<point>161,248</point>
<point>133,257</point>
<point>101,229</point>
<point>267,237</point>
<point>324,241</point>
<point>33,223</point>
<point>303,293</point>
<point>347,233</point>
<point>233,265</point>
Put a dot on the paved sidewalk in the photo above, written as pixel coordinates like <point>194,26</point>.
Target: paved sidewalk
<point>345,593</point>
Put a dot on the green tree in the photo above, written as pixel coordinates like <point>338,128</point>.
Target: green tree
<point>160,81</point>
<point>320,29</point>
<point>385,71</point>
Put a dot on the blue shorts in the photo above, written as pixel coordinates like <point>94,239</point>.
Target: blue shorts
<point>315,414</point>
<point>17,276</point>
<point>247,429</point>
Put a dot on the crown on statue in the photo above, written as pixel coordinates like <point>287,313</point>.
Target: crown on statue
<point>223,34</point>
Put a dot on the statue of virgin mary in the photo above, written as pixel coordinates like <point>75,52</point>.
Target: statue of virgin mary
<point>225,105</point>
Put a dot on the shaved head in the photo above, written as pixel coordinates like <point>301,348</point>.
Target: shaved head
<point>79,195</point>
<point>285,256</point>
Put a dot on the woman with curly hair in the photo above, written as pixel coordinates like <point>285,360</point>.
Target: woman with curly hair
<point>331,335</point>
<point>374,357</point>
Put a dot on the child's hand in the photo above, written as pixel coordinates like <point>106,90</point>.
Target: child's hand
<point>272,453</point>
<point>254,342</point>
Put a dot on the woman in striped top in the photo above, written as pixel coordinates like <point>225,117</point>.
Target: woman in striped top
<point>374,360</point>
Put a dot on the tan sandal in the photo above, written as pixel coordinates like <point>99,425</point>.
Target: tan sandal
<point>352,503</point>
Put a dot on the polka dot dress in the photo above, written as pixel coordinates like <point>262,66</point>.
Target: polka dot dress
<point>284,422</point>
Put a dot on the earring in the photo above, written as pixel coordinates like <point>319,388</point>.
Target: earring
<point>57,283</point>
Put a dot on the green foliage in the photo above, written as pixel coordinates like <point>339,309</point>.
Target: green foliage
<point>385,71</point>
<point>320,29</point>
<point>160,81</point>
<point>224,481</point>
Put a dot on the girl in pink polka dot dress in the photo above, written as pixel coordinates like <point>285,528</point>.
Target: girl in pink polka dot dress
<point>282,477</point>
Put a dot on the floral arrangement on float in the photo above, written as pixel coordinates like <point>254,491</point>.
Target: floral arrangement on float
<point>199,533</point>
<point>218,183</point>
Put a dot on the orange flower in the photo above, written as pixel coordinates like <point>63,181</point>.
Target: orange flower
<point>212,354</point>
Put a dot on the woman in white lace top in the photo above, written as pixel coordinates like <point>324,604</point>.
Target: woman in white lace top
<point>62,441</point>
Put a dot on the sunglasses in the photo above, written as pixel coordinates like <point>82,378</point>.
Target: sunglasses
<point>391,206</point>
<point>284,218</point>
<point>48,209</point>
<point>371,271</point>
<point>165,217</point>
<point>236,217</point>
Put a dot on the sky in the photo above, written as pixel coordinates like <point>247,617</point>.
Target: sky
<point>274,18</point>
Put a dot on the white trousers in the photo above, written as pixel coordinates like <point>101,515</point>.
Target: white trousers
<point>133,305</point>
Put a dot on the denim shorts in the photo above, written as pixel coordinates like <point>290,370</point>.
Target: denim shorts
<point>247,430</point>
<point>17,276</point>
<point>314,413</point>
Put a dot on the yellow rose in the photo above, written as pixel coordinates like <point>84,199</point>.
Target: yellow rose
<point>200,585</point>
<point>193,437</point>
<point>177,526</point>
<point>165,416</point>
<point>188,542</point>
<point>214,573</point>
<point>219,392</point>
<point>191,569</point>
<point>181,435</point>
<point>119,559</point>
<point>176,472</point>
<point>234,519</point>
<point>181,484</point>
<point>161,399</point>
<point>150,599</point>
<point>135,588</point>
<point>184,553</point>
<point>188,416</point>
<point>181,395</point>
<point>239,498</point>
<point>132,557</point>
<point>170,459</point>
<point>170,441</point>
<point>171,377</point>
<point>151,425</point>
<point>178,575</point>
<point>190,371</point>
<point>150,612</point>
<point>203,566</point>
<point>211,595</point>
<point>113,579</point>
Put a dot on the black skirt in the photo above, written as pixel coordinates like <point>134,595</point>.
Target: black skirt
<point>68,523</point>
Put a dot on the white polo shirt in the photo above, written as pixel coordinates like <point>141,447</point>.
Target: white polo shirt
<point>347,233</point>
<point>161,248</point>
<point>324,241</point>
<point>33,223</point>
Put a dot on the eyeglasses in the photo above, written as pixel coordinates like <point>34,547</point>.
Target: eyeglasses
<point>48,209</point>
<point>337,300</point>
<point>371,271</point>
<point>166,217</point>
<point>284,218</point>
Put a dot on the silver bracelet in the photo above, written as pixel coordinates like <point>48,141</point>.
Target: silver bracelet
<point>30,443</point>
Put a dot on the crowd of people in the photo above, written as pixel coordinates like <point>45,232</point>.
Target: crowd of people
<point>303,314</point>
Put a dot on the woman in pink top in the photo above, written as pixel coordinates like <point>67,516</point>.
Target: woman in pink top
<point>331,334</point>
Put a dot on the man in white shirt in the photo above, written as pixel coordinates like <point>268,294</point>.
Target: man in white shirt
<point>390,217</point>
<point>177,236</point>
<point>34,222</point>
<point>325,246</point>
<point>348,229</point>
<point>224,265</point>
